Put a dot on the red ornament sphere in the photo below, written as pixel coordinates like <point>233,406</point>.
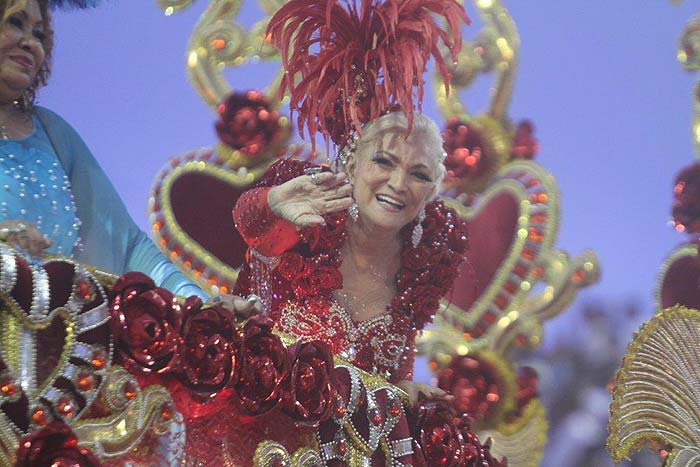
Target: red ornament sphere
<point>247,122</point>
<point>465,150</point>
<point>686,199</point>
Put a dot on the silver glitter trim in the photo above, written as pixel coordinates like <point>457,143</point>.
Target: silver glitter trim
<point>92,319</point>
<point>27,361</point>
<point>8,269</point>
<point>41,295</point>
<point>402,447</point>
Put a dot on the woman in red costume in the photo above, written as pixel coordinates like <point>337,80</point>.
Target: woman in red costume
<point>361,257</point>
<point>359,261</point>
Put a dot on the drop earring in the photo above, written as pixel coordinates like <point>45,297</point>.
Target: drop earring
<point>417,233</point>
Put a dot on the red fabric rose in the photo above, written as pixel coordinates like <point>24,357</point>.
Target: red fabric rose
<point>54,445</point>
<point>474,453</point>
<point>423,301</point>
<point>264,363</point>
<point>210,351</point>
<point>311,236</point>
<point>444,273</point>
<point>432,226</point>
<point>145,324</point>
<point>308,394</point>
<point>290,266</point>
<point>415,259</point>
<point>325,277</point>
<point>306,284</point>
<point>459,238</point>
<point>439,437</point>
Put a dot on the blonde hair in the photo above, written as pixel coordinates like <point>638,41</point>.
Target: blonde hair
<point>424,131</point>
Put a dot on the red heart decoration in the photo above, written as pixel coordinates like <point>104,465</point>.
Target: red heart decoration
<point>191,205</point>
<point>510,224</point>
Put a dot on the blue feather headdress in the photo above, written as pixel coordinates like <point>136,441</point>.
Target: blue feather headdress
<point>72,4</point>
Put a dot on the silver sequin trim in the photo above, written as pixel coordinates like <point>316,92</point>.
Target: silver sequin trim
<point>8,269</point>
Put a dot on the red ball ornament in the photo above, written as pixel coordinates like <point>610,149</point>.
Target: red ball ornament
<point>686,199</point>
<point>247,123</point>
<point>465,150</point>
<point>525,146</point>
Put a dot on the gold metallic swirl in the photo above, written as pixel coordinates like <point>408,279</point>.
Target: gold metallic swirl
<point>270,453</point>
<point>688,55</point>
<point>496,49</point>
<point>133,416</point>
<point>218,42</point>
<point>522,441</point>
<point>306,457</point>
<point>215,42</point>
<point>563,278</point>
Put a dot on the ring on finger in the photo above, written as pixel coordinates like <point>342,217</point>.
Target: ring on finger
<point>313,173</point>
<point>252,298</point>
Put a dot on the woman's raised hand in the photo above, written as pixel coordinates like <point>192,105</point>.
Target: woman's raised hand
<point>305,199</point>
<point>25,235</point>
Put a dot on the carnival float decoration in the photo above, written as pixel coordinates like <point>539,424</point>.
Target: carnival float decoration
<point>655,397</point>
<point>510,201</point>
<point>144,377</point>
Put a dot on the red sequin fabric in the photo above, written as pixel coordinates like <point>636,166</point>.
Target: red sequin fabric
<point>296,273</point>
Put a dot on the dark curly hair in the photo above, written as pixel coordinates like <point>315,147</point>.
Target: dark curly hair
<point>7,7</point>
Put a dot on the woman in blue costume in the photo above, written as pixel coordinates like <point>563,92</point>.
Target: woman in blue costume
<point>53,194</point>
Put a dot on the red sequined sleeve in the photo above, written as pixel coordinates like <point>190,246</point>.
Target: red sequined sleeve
<point>260,227</point>
<point>262,230</point>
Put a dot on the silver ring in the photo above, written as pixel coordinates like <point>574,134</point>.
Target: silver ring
<point>313,173</point>
<point>252,298</point>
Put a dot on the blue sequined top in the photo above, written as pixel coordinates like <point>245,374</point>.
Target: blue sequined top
<point>51,179</point>
<point>35,188</point>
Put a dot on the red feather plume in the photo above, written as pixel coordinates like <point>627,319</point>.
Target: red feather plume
<point>345,67</point>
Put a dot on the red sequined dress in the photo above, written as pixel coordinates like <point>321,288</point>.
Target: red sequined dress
<point>296,272</point>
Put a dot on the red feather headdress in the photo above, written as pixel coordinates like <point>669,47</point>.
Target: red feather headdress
<point>345,67</point>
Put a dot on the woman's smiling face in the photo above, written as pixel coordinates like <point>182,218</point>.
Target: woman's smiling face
<point>21,50</point>
<point>393,179</point>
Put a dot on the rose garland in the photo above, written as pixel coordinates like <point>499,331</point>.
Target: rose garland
<point>216,362</point>
<point>208,362</point>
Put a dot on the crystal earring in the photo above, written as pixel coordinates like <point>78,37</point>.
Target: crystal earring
<point>417,233</point>
<point>353,211</point>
